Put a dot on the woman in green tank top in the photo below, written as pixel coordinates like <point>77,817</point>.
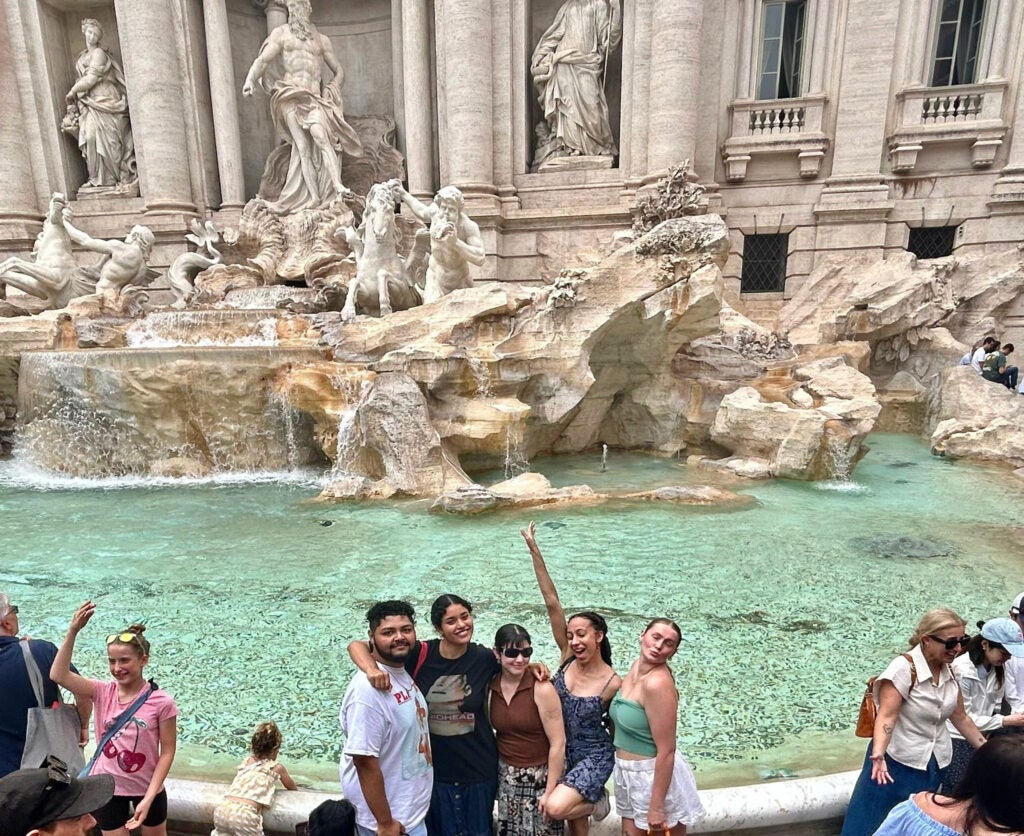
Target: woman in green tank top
<point>654,787</point>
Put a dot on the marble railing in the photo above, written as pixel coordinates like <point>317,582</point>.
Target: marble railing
<point>786,126</point>
<point>963,113</point>
<point>750,810</point>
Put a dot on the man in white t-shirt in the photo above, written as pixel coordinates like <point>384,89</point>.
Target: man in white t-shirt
<point>386,768</point>
<point>977,357</point>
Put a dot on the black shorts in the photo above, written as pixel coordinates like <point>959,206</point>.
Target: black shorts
<point>113,814</point>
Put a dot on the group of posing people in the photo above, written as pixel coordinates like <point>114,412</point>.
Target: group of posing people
<point>990,361</point>
<point>946,755</point>
<point>437,730</point>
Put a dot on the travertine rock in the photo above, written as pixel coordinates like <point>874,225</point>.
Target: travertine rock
<point>797,441</point>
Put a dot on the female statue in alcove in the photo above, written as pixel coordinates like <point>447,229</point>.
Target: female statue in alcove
<point>569,67</point>
<point>98,115</point>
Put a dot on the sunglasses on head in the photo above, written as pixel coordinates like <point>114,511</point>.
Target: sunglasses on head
<point>123,638</point>
<point>515,652</point>
<point>949,644</point>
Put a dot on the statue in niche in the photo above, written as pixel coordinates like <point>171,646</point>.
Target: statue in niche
<point>569,67</point>
<point>455,241</point>
<point>304,172</point>
<point>97,116</point>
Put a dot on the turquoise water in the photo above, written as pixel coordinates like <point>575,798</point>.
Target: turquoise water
<point>787,606</point>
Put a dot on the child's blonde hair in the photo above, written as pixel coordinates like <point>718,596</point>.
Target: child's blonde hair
<point>266,739</point>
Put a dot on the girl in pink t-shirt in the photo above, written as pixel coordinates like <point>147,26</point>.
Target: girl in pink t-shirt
<point>140,754</point>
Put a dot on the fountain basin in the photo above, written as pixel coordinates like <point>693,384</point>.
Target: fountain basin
<point>807,806</point>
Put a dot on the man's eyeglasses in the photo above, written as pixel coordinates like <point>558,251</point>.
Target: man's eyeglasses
<point>12,610</point>
<point>515,652</point>
<point>949,644</point>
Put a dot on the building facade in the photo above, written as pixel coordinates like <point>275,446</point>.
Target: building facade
<point>817,127</point>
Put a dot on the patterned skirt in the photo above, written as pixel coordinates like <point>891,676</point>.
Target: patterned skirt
<point>518,791</point>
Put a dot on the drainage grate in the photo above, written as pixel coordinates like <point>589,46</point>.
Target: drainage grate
<point>764,263</point>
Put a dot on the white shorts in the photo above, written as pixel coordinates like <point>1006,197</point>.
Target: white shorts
<point>634,781</point>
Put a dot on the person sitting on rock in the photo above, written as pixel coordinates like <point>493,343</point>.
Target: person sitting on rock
<point>976,357</point>
<point>994,367</point>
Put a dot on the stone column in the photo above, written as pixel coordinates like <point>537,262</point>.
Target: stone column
<point>225,106</point>
<point>1007,203</point>
<point>821,49</point>
<point>18,206</point>
<point>465,76</point>
<point>155,96</point>
<point>1002,30</point>
<point>419,114</point>
<point>276,11</point>
<point>675,77</point>
<point>853,205</point>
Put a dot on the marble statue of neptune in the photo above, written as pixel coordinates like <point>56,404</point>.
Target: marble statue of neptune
<point>98,115</point>
<point>568,69</point>
<point>307,112</point>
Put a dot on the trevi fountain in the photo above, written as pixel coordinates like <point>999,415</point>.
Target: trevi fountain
<point>303,306</point>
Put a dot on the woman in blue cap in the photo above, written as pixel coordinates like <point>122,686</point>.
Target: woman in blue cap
<point>979,672</point>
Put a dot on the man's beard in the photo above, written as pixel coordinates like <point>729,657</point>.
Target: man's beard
<point>299,21</point>
<point>396,659</point>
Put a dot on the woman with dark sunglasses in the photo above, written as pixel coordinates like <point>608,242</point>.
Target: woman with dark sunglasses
<point>527,719</point>
<point>979,673</point>
<point>139,755</point>
<point>911,748</point>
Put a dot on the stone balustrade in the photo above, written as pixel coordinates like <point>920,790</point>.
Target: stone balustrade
<point>964,113</point>
<point>775,126</point>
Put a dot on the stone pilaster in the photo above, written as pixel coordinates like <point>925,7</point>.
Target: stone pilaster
<point>419,115</point>
<point>19,211</point>
<point>856,191</point>
<point>225,107</point>
<point>155,96</point>
<point>465,79</point>
<point>674,92</point>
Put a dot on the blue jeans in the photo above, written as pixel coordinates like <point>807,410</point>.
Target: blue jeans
<point>871,802</point>
<point>1008,377</point>
<point>418,830</point>
<point>462,809</point>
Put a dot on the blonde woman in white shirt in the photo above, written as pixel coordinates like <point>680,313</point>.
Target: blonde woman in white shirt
<point>979,672</point>
<point>911,747</point>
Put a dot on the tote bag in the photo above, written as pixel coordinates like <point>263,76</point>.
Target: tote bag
<point>49,731</point>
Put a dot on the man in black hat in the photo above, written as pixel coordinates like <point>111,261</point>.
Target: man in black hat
<point>50,802</point>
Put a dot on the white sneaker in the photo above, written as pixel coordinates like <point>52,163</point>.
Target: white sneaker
<point>602,807</point>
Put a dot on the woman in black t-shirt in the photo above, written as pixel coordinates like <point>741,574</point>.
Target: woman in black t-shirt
<point>454,673</point>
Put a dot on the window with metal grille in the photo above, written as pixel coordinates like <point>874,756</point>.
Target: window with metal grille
<point>958,42</point>
<point>782,45</point>
<point>764,263</point>
<point>931,241</point>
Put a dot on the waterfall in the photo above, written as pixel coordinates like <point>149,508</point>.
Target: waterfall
<point>481,376</point>
<point>837,459</point>
<point>516,461</point>
<point>350,436</point>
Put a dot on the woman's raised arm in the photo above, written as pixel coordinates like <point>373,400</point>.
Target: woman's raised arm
<point>556,615</point>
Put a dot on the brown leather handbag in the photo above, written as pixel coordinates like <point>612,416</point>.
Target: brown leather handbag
<point>868,709</point>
